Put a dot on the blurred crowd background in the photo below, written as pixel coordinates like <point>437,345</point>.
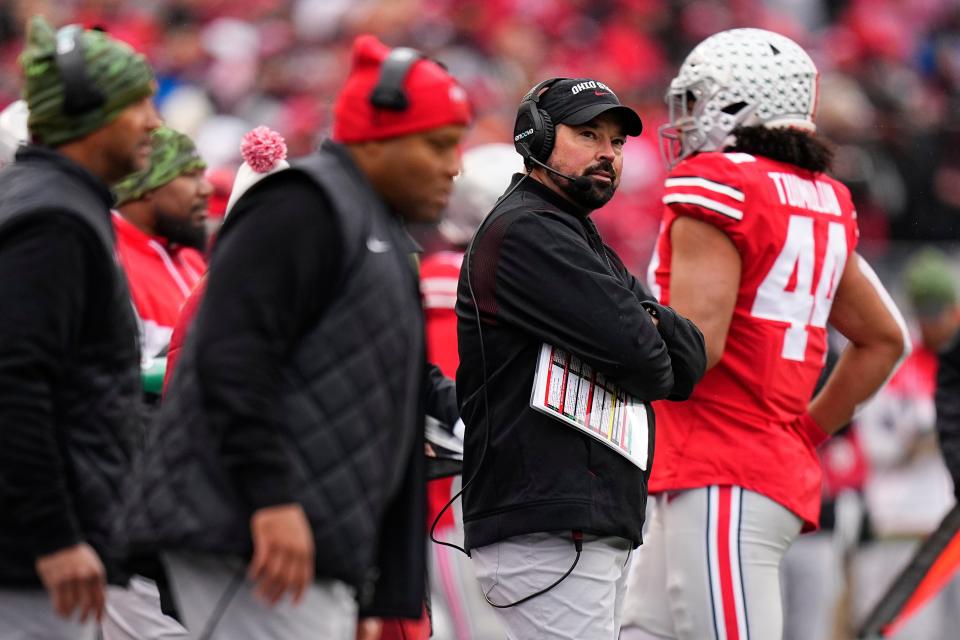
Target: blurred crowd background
<point>890,79</point>
<point>890,92</point>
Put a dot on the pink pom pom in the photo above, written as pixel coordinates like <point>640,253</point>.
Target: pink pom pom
<point>263,148</point>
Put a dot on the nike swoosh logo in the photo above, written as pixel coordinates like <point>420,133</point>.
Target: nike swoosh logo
<point>376,245</point>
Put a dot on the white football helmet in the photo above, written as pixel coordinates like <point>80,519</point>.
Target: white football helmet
<point>485,175</point>
<point>734,78</point>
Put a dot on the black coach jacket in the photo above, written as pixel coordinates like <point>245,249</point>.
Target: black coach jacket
<point>540,273</point>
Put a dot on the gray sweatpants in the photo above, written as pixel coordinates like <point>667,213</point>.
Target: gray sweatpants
<point>709,568</point>
<point>585,606</point>
<point>133,613</point>
<point>212,592</point>
<point>27,614</point>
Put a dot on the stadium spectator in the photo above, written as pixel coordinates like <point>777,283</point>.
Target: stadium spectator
<point>223,69</point>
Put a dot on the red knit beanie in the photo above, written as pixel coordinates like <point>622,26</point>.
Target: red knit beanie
<point>435,98</point>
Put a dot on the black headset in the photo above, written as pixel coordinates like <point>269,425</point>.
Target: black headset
<point>533,130</point>
<point>80,95</point>
<point>389,93</point>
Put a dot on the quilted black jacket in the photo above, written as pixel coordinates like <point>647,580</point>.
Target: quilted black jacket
<point>70,406</point>
<point>353,394</point>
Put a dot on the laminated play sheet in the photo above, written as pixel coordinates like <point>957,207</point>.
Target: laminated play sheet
<point>568,389</point>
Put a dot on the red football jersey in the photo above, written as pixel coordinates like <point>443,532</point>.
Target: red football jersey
<point>794,231</point>
<point>160,279</point>
<point>439,273</point>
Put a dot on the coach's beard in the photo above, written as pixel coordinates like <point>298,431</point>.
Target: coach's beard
<point>599,192</point>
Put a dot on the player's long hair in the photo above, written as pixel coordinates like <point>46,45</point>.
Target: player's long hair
<point>793,146</point>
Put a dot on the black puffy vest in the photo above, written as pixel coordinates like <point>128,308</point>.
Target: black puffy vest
<point>97,396</point>
<point>351,394</point>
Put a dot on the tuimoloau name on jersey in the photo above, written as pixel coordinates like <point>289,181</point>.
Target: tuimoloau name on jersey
<point>814,195</point>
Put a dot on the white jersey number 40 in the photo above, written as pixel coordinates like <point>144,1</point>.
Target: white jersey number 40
<point>802,307</point>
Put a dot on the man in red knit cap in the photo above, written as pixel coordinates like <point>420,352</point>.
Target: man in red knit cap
<point>288,458</point>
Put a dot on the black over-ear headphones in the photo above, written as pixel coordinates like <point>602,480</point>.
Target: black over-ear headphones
<point>533,131</point>
<point>80,95</point>
<point>389,93</point>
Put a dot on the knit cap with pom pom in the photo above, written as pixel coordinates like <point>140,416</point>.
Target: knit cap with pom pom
<point>264,152</point>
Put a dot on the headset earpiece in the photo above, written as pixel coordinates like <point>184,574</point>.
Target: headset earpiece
<point>533,130</point>
<point>547,137</point>
<point>388,93</point>
<point>80,95</point>
<point>525,129</point>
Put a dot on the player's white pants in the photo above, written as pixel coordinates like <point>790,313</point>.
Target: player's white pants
<point>709,568</point>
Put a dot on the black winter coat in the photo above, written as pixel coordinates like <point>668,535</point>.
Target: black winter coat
<point>69,366</point>
<point>541,274</point>
<point>352,389</point>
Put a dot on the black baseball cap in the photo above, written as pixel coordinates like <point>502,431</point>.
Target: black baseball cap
<point>579,100</point>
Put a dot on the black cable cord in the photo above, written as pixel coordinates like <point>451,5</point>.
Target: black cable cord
<point>578,545</point>
<point>486,398</point>
<point>222,603</point>
<point>577,535</point>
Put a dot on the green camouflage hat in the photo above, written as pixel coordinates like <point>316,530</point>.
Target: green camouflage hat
<point>174,154</point>
<point>112,67</point>
<point>930,282</point>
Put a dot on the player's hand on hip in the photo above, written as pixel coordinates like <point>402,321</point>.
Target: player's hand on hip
<point>75,579</point>
<point>283,552</point>
<point>369,628</point>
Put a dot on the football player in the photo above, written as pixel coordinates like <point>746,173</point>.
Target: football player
<point>758,248</point>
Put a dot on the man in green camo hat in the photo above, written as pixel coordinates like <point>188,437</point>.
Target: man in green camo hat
<point>168,199</point>
<point>109,77</point>
<point>161,233</point>
<point>69,365</point>
<point>932,290</point>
